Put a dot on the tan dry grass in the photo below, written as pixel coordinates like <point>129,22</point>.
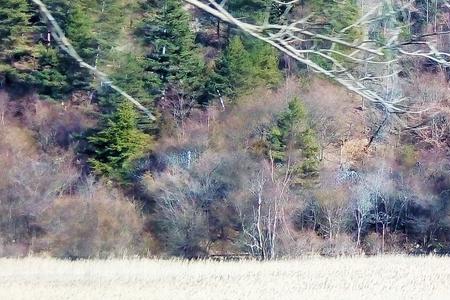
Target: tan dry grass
<point>389,277</point>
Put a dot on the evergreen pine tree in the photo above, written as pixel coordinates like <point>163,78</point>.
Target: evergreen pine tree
<point>234,70</point>
<point>255,11</point>
<point>14,25</point>
<point>74,19</point>
<point>15,45</point>
<point>47,77</point>
<point>174,57</point>
<point>265,60</point>
<point>293,134</point>
<point>108,18</point>
<point>129,72</point>
<point>118,143</point>
<point>243,67</point>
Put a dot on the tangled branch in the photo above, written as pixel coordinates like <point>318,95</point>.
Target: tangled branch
<point>304,39</point>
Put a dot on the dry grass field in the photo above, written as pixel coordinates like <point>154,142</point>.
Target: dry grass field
<point>389,277</point>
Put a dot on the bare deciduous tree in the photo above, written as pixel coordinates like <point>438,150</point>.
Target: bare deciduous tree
<point>345,58</point>
<point>178,104</point>
<point>181,212</point>
<point>332,204</point>
<point>263,213</point>
<point>4,98</point>
<point>28,187</point>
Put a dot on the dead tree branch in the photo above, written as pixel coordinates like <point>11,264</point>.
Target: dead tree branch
<point>298,39</point>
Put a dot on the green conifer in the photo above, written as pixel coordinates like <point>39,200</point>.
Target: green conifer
<point>291,135</point>
<point>174,56</point>
<point>14,25</point>
<point>244,67</point>
<point>118,143</point>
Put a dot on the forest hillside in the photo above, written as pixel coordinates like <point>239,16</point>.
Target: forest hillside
<point>197,129</point>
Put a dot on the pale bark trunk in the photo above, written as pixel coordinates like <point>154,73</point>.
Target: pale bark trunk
<point>258,226</point>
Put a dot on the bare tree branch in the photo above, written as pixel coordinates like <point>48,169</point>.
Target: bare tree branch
<point>67,47</point>
<point>298,40</point>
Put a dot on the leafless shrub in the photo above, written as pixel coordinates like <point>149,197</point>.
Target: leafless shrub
<point>96,221</point>
<point>180,215</point>
<point>55,124</point>
<point>427,89</point>
<point>342,245</point>
<point>28,188</point>
<point>332,204</point>
<point>305,242</point>
<point>177,106</point>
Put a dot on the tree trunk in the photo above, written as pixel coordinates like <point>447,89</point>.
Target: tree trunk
<point>331,228</point>
<point>218,33</point>
<point>358,237</point>
<point>274,231</point>
<point>258,226</point>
